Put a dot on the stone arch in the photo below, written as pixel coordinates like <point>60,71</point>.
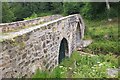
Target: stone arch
<point>78,33</point>
<point>63,50</point>
<point>82,26</point>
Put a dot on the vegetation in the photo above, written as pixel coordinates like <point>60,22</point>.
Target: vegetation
<point>15,11</point>
<point>104,35</point>
<point>82,66</point>
<point>8,15</point>
<point>104,47</point>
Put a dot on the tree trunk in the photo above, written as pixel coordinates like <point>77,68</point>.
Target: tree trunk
<point>108,7</point>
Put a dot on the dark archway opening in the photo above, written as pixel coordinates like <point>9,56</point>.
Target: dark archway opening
<point>63,49</point>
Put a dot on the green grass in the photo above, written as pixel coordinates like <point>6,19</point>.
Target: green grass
<point>82,66</point>
<point>104,35</point>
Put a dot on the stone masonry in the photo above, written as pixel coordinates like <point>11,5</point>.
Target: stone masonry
<point>6,27</point>
<point>36,47</point>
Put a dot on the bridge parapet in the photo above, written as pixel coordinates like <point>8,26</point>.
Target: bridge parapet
<point>7,27</point>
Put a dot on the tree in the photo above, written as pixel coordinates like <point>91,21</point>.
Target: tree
<point>21,10</point>
<point>94,10</point>
<point>16,11</point>
<point>57,8</point>
<point>71,8</point>
<point>7,14</point>
<point>108,8</point>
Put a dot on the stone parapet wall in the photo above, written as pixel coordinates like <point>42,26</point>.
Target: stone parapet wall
<point>6,27</point>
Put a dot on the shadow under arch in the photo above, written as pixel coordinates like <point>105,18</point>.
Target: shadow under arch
<point>63,50</point>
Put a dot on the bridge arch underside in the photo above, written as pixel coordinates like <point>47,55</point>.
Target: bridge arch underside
<point>63,50</point>
<point>78,35</point>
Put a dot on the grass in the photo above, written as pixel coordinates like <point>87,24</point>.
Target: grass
<point>104,35</point>
<point>82,66</point>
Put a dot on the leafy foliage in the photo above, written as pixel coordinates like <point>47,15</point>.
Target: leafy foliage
<point>94,10</point>
<point>20,10</point>
<point>71,8</point>
<point>34,15</point>
<point>7,14</point>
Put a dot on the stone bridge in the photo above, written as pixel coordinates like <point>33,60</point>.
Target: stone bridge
<point>40,46</point>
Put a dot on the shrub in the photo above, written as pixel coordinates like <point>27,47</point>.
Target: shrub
<point>34,15</point>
